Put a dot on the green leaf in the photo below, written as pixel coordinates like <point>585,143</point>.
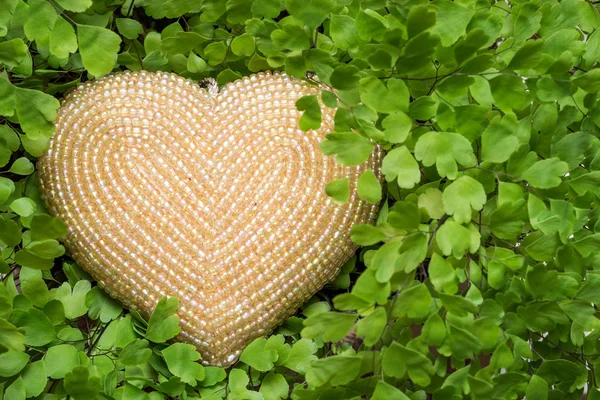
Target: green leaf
<point>62,39</point>
<point>432,201</point>
<point>413,252</point>
<point>452,19</point>
<point>12,362</point>
<point>266,8</point>
<point>541,247</point>
<point>349,148</point>
<point>527,19</point>
<point>274,387</point>
<point>345,77</point>
<point>277,343</point>
<point>385,391</point>
<point>13,52</point>
<point>214,53</point>
<point>498,140</point>
<point>462,196</point>
<point>590,289</point>
<point>29,260</point>
<point>349,301</point>
<point>47,249</point>
<point>527,56</point>
<point>34,378</point>
<point>366,235</point>
<point>509,92</point>
<point>80,385</point>
<point>36,111</point>
<point>398,360</point>
<point>502,357</point>
<point>572,148</point>
<point>546,174</point>
<point>98,48</point>
<point>73,300</point>
<point>301,354</point>
<point>311,117</point>
<point>181,360</point>
<point>16,390</point>
<point>163,324</point>
<point>7,98</point>
<point>339,190</point>
<point>290,38</point>
<point>423,108</point>
<point>329,99</point>
<point>442,274</point>
<point>397,127</point>
<point>370,24</point>
<point>453,239</point>
<point>128,27</point>
<point>368,187</point>
<point>334,326</point>
<point>43,226</point>
<point>559,371</point>
<point>399,164</point>
<point>385,261</point>
<point>9,138</point>
<point>243,45</point>
<point>23,206</point>
<point>336,370</point>
<point>39,22</point>
<point>184,42</point>
<point>388,99</point>
<point>172,9</point>
<point>135,353</point>
<point>310,12</point>
<point>212,375</point>
<point>445,150</point>
<point>238,379</point>
<point>60,360</point>
<point>590,81</point>
<point>537,389</point>
<point>101,305</point>
<point>195,64</point>
<point>257,357</point>
<point>38,329</point>
<point>22,166</point>
<point>11,339</point>
<point>434,330</point>
<point>172,387</point>
<point>75,5</point>
<point>371,327</point>
<point>413,302</point>
<point>420,19</point>
<point>34,287</point>
<point>36,147</point>
<point>343,32</point>
<point>10,233</point>
<point>457,305</point>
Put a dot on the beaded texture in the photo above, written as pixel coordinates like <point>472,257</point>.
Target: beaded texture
<point>168,190</point>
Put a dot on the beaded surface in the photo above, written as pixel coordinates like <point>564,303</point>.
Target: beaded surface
<point>168,190</point>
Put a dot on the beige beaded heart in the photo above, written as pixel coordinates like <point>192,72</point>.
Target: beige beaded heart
<point>218,199</point>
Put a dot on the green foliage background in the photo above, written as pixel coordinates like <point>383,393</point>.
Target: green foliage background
<point>480,279</point>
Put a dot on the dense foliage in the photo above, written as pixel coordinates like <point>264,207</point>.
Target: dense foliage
<point>481,277</point>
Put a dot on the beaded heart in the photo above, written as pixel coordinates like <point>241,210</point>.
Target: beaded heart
<point>218,199</point>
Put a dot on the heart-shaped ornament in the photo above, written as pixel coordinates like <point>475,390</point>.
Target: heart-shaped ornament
<point>218,199</point>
